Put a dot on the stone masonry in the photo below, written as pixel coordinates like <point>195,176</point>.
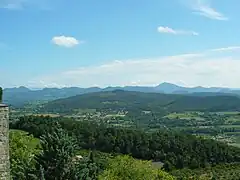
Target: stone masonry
<point>4,140</point>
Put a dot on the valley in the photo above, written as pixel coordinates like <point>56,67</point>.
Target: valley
<point>149,111</point>
<point>184,135</point>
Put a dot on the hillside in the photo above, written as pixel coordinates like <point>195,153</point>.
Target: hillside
<point>18,97</point>
<point>137,101</point>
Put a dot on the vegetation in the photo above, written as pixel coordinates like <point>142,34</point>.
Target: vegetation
<point>127,168</point>
<point>54,160</point>
<point>219,172</point>
<point>136,102</point>
<point>58,160</point>
<point>23,148</point>
<point>56,156</point>
<point>174,149</point>
<point>92,135</point>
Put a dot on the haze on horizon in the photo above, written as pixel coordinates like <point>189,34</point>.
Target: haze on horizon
<point>92,43</point>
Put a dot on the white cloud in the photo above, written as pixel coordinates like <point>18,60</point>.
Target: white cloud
<point>230,48</point>
<point>65,41</point>
<point>203,69</point>
<point>203,8</point>
<point>169,30</point>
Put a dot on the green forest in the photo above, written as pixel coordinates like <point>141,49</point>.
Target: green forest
<point>171,154</point>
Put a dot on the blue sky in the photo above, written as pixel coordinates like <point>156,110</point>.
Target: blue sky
<point>56,43</point>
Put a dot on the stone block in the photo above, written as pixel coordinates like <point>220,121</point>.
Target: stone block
<point>4,140</point>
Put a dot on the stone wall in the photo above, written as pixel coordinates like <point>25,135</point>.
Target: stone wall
<point>4,140</point>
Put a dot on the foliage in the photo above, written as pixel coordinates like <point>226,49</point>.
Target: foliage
<point>226,172</point>
<point>127,168</point>
<point>100,158</point>
<point>23,148</point>
<point>57,153</point>
<point>175,149</point>
<point>58,160</point>
<point>86,169</point>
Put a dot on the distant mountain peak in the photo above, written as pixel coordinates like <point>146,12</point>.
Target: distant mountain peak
<point>22,87</point>
<point>164,84</point>
<point>169,87</point>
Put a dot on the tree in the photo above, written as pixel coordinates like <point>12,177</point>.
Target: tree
<point>23,148</point>
<point>127,168</point>
<point>41,177</point>
<point>57,154</point>
<point>84,169</point>
<point>167,166</point>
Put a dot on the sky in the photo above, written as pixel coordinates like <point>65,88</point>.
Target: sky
<point>84,43</point>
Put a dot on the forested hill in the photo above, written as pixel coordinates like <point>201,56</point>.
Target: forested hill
<point>138,101</point>
<point>19,97</point>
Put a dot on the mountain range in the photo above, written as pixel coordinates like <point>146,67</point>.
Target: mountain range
<point>135,102</point>
<point>20,96</point>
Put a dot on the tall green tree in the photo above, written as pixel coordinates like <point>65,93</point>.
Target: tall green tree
<point>57,154</point>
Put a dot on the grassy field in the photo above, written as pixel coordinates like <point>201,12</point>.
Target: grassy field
<point>186,115</point>
<point>228,113</point>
